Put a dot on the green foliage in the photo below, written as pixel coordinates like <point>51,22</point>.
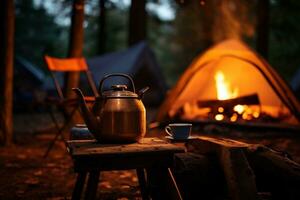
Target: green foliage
<point>116,30</point>
<point>197,27</point>
<point>285,36</point>
<point>160,39</point>
<point>176,43</point>
<point>37,33</point>
<point>191,35</point>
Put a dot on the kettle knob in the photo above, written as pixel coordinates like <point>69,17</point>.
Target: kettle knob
<point>119,87</point>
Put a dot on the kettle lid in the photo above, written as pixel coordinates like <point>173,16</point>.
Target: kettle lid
<point>119,91</point>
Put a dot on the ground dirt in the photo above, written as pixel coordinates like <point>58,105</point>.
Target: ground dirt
<point>25,174</point>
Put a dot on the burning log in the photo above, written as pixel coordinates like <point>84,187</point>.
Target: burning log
<point>230,103</point>
<point>232,109</point>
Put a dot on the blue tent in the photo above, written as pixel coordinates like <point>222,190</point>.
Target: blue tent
<point>27,71</point>
<point>137,61</point>
<point>295,83</point>
<point>28,81</point>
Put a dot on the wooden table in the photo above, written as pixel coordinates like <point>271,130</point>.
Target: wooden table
<point>151,157</point>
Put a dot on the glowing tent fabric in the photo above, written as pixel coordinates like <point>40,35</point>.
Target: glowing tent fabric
<point>243,70</point>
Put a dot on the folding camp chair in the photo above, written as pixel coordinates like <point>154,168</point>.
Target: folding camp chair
<point>67,106</point>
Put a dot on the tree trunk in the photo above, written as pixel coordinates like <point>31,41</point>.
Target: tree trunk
<point>75,45</point>
<point>7,27</point>
<point>137,21</point>
<point>102,26</point>
<point>262,27</point>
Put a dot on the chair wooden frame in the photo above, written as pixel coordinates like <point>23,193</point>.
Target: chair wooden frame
<point>65,65</point>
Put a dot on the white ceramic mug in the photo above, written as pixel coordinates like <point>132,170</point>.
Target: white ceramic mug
<point>179,130</point>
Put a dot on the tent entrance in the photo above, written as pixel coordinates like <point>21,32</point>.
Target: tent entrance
<point>234,86</point>
<point>231,89</point>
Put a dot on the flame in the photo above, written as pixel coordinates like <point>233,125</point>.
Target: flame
<point>223,87</point>
<point>221,109</point>
<point>234,117</point>
<point>256,114</point>
<point>226,91</point>
<point>219,117</point>
<point>239,108</point>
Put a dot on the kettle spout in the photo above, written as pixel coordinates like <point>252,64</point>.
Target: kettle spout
<point>89,118</point>
<point>142,92</point>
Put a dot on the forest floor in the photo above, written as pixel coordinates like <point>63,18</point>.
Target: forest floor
<point>25,174</point>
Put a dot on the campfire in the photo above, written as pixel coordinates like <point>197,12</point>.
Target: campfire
<point>229,106</point>
<point>238,111</point>
<point>230,83</point>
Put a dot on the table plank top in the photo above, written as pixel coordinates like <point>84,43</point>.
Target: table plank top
<point>83,148</point>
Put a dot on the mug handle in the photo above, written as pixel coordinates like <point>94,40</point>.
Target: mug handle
<point>168,131</point>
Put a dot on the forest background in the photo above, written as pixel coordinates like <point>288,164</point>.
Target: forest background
<point>177,34</point>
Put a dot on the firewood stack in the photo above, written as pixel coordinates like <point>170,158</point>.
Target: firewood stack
<point>215,168</point>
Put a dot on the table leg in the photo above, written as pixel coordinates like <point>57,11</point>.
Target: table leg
<point>142,182</point>
<point>162,184</point>
<point>79,186</point>
<point>91,189</point>
<point>173,186</point>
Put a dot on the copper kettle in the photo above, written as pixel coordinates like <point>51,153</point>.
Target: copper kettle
<point>118,115</point>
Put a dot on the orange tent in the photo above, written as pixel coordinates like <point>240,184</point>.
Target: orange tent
<point>243,71</point>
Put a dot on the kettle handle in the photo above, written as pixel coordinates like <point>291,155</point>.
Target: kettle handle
<point>115,74</point>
